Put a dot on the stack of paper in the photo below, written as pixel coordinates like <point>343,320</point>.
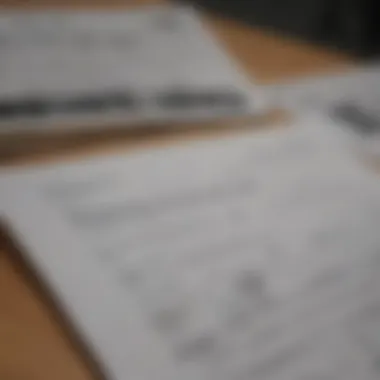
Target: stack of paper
<point>253,257</point>
<point>61,69</point>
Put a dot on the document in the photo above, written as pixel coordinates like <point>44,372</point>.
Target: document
<point>249,257</point>
<point>350,99</point>
<point>91,69</point>
<point>321,92</point>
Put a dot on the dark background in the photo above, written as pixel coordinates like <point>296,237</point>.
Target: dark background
<point>349,25</point>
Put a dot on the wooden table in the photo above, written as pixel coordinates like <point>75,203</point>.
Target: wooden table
<point>33,343</point>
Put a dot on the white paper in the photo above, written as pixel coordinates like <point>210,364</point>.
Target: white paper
<point>55,55</point>
<point>252,257</point>
<point>350,99</point>
<point>321,92</point>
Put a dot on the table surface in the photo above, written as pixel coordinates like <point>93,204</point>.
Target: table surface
<point>34,344</point>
